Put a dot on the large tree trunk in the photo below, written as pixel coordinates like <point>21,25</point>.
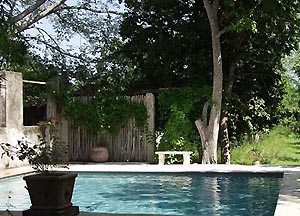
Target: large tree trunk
<point>209,128</point>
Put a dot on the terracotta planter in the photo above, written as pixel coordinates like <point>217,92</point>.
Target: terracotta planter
<point>99,154</point>
<point>51,194</point>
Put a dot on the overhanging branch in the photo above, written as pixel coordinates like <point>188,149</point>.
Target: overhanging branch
<point>29,10</point>
<point>222,32</point>
<point>61,51</point>
<point>94,10</point>
<point>31,20</point>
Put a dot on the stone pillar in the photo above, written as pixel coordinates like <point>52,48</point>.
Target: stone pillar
<point>11,112</point>
<point>11,100</point>
<point>150,106</point>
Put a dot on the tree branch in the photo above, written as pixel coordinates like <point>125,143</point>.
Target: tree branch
<point>61,51</point>
<point>221,32</point>
<point>26,24</point>
<point>29,10</point>
<point>74,28</point>
<point>42,31</point>
<point>83,7</point>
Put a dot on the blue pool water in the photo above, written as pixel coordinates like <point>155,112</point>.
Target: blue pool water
<point>157,193</point>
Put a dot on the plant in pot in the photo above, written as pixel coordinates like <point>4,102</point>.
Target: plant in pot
<point>50,191</point>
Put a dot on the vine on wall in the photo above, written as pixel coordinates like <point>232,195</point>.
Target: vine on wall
<point>105,111</point>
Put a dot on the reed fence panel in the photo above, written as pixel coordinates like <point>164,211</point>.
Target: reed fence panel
<point>129,144</point>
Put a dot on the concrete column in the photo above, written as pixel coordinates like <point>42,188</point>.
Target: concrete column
<point>11,112</point>
<point>14,100</point>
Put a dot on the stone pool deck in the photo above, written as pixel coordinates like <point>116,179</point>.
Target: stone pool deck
<point>289,196</point>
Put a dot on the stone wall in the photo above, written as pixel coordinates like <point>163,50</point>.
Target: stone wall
<point>11,116</point>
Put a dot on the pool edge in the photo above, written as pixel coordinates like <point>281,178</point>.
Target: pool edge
<point>288,202</point>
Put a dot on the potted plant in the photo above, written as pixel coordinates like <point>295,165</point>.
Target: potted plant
<point>50,191</point>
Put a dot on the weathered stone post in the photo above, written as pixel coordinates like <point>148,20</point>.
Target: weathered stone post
<point>13,89</point>
<point>11,112</point>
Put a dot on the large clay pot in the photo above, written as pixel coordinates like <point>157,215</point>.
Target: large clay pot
<point>99,154</point>
<point>51,194</point>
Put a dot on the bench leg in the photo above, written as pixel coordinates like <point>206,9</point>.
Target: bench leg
<point>161,159</point>
<point>186,159</point>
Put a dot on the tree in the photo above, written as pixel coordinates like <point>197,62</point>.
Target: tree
<point>167,41</point>
<point>257,16</point>
<point>292,63</point>
<point>208,127</point>
<point>289,106</point>
<point>10,49</point>
<point>41,40</point>
<point>169,44</point>
<point>92,21</point>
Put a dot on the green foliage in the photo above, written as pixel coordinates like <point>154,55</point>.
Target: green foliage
<point>257,112</point>
<point>40,156</point>
<point>169,43</point>
<point>178,110</point>
<point>258,83</point>
<point>104,111</point>
<point>115,68</point>
<point>244,23</point>
<point>289,107</point>
<point>12,48</point>
<point>292,62</point>
<point>36,69</point>
<point>246,118</point>
<point>280,146</point>
<point>178,132</point>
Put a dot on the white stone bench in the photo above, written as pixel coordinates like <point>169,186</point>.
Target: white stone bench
<point>186,156</point>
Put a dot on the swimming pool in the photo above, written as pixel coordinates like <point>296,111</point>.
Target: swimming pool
<point>163,193</point>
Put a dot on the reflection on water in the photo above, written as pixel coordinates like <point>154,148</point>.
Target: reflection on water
<point>180,194</point>
<point>173,194</point>
<point>13,195</point>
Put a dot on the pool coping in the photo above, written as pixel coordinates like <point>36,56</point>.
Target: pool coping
<point>289,196</point>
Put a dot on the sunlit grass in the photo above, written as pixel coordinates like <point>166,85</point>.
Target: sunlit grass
<point>280,146</point>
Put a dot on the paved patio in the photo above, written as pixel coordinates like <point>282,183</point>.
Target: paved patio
<point>289,196</point>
